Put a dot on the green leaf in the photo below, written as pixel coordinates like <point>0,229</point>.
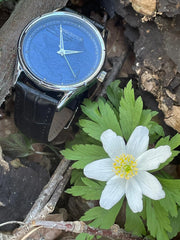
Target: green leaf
<point>82,138</point>
<point>175,223</point>
<point>102,117</point>
<point>133,219</point>
<point>146,116</point>
<point>76,176</point>
<point>102,218</point>
<point>158,221</point>
<point>114,93</point>
<point>84,154</point>
<point>90,191</point>
<point>130,111</point>
<point>172,198</point>
<point>84,236</point>
<point>174,142</point>
<point>131,115</point>
<point>17,145</point>
<point>169,204</point>
<point>155,130</point>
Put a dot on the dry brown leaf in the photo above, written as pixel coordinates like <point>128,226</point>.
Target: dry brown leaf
<point>7,126</point>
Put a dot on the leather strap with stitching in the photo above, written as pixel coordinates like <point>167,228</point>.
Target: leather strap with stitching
<point>35,114</point>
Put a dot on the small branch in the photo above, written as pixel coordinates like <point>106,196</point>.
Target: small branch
<point>47,200</point>
<point>48,190</point>
<point>44,153</point>
<point>50,206</point>
<point>80,227</point>
<point>117,65</point>
<point>5,236</point>
<point>11,222</point>
<point>32,231</point>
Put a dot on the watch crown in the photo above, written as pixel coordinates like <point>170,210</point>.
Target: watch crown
<point>101,76</point>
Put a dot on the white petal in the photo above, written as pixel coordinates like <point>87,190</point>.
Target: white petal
<point>150,186</point>
<point>134,195</point>
<point>113,192</point>
<point>138,141</point>
<point>152,158</point>
<point>114,145</point>
<point>100,169</point>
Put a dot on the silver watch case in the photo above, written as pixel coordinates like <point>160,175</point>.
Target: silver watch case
<point>71,90</point>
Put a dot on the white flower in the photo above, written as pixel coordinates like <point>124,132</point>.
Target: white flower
<point>126,169</point>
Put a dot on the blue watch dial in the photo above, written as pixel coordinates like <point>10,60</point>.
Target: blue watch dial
<point>62,49</point>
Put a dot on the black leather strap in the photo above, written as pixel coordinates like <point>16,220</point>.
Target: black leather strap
<point>35,113</point>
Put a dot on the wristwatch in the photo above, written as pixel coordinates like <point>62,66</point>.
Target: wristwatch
<point>59,56</point>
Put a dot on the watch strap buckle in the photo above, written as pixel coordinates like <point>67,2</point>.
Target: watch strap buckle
<point>72,118</point>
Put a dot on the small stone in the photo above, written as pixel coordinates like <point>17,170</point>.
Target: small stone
<point>145,7</point>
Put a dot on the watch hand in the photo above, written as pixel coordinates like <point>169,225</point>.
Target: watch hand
<point>71,52</point>
<point>61,45</point>
<point>69,65</point>
<point>61,39</point>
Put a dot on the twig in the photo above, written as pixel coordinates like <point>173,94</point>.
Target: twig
<point>47,200</point>
<point>5,236</point>
<point>50,206</point>
<point>22,232</point>
<point>11,222</point>
<point>48,190</point>
<point>117,65</point>
<point>32,231</point>
<point>80,227</point>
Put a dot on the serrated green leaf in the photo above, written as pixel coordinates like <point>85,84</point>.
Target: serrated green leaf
<point>102,117</point>
<point>91,109</point>
<point>84,154</point>
<point>175,223</point>
<point>174,142</point>
<point>90,191</point>
<point>158,222</point>
<point>76,176</point>
<point>114,93</point>
<point>102,218</point>
<point>169,204</point>
<point>155,128</point>
<point>84,236</point>
<point>133,219</point>
<point>155,131</point>
<point>130,111</point>
<point>132,114</point>
<point>82,138</point>
<point>146,116</point>
<point>17,145</point>
<point>172,198</point>
<point>163,141</point>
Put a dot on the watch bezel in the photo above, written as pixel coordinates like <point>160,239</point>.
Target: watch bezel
<point>54,87</point>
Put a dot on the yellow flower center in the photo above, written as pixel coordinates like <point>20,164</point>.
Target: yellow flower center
<point>125,166</point>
